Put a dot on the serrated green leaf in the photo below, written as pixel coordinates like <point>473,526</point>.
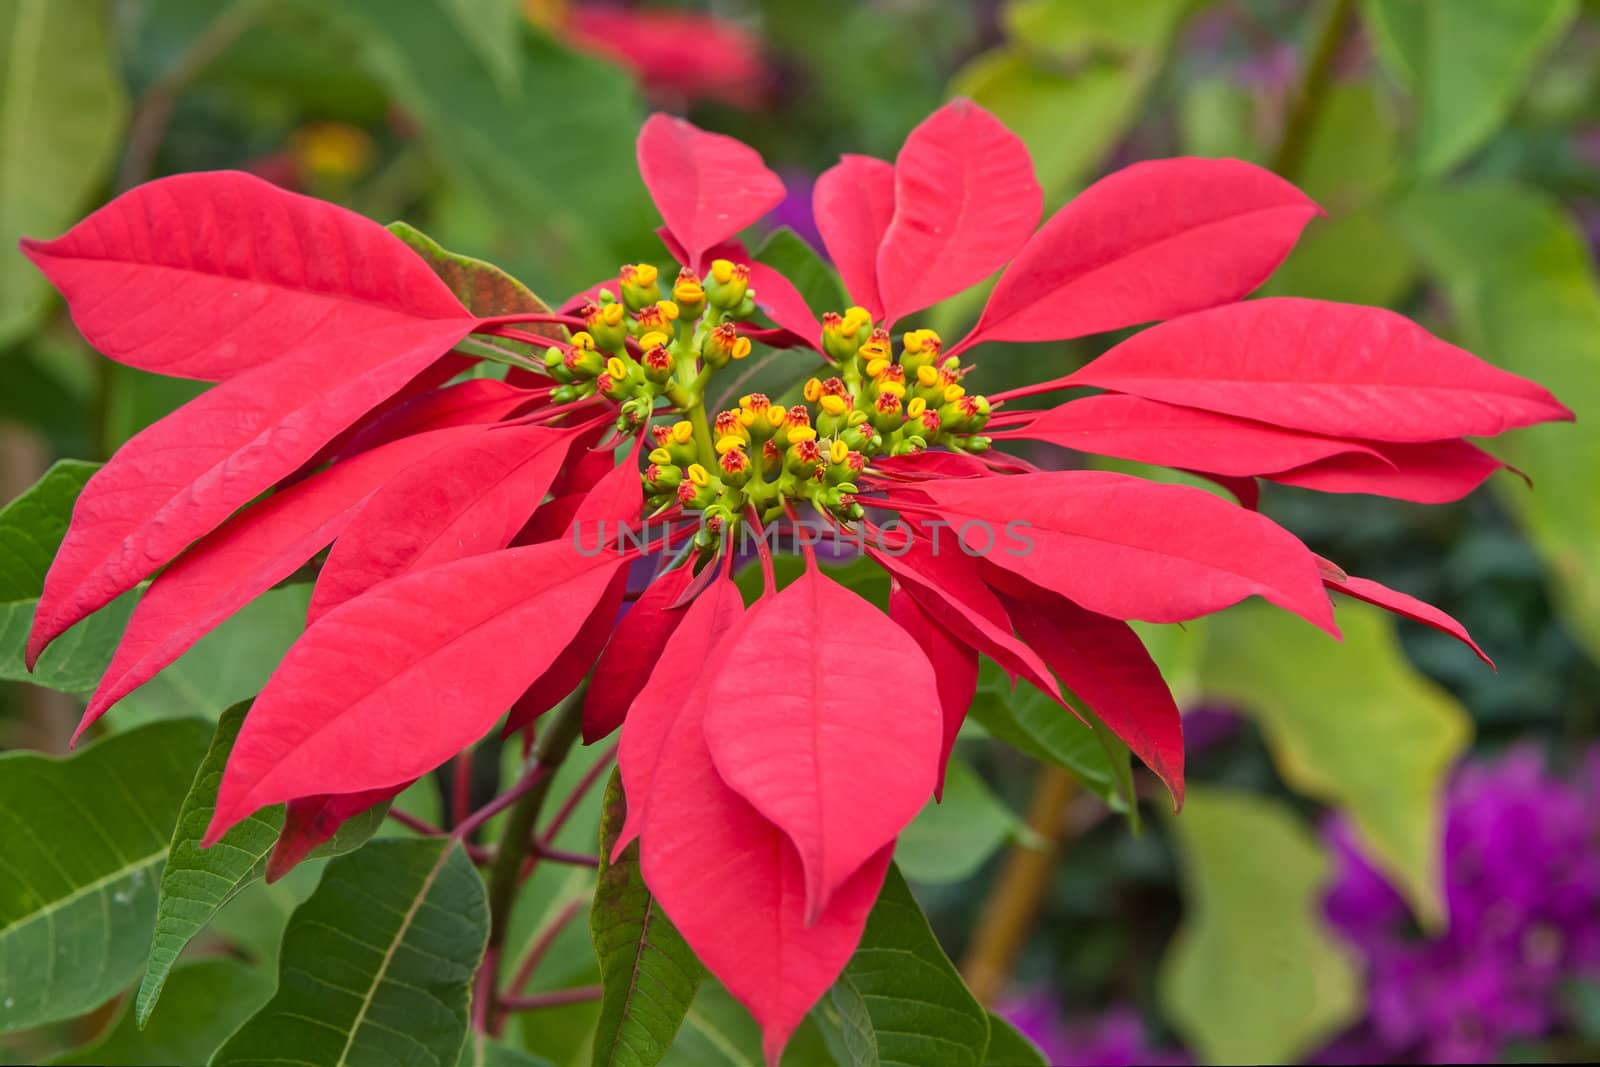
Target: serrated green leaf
<point>85,840</point>
<point>1466,62</point>
<point>206,1002</point>
<point>1351,724</point>
<point>1029,721</point>
<point>949,840</point>
<point>789,254</point>
<point>62,108</point>
<point>227,665</point>
<point>1522,286</point>
<point>377,966</point>
<point>900,1000</point>
<point>1009,1048</point>
<point>649,973</point>
<point>1253,975</point>
<point>198,882</point>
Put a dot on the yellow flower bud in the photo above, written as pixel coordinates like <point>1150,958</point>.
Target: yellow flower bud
<point>834,405</point>
<point>612,314</point>
<point>916,407</point>
<point>699,475</point>
<point>582,340</point>
<point>813,390</point>
<point>616,368</point>
<point>953,393</point>
<point>682,432</point>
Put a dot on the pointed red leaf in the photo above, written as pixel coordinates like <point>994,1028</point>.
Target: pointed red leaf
<point>707,186</point>
<point>310,821</point>
<point>1406,606</point>
<point>955,667</point>
<point>562,677</point>
<point>1434,472</point>
<point>1336,369</point>
<point>945,584</point>
<point>673,688</point>
<point>842,752</point>
<point>1134,549</point>
<point>1130,427</point>
<point>463,500</point>
<point>617,499</point>
<point>475,401</point>
<point>853,203</point>
<point>777,296</point>
<point>178,479</point>
<point>734,886</point>
<point>388,686</point>
<point>208,275</point>
<point>635,647</point>
<point>1152,241</point>
<point>965,200</point>
<point>243,558</point>
<point>1105,663</point>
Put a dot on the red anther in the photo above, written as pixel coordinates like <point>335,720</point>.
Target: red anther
<point>888,404</point>
<point>756,402</point>
<point>930,423</point>
<point>658,359</point>
<point>771,452</point>
<point>807,451</point>
<point>662,435</point>
<point>893,373</point>
<point>727,424</point>
<point>835,387</point>
<point>798,415</point>
<point>686,492</point>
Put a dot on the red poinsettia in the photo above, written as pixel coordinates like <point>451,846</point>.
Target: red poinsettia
<point>770,752</point>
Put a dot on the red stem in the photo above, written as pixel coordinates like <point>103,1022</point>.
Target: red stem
<point>575,995</point>
<point>541,947</point>
<point>461,787</point>
<point>568,806</point>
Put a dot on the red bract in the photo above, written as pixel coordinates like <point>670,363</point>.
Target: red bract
<point>770,754</point>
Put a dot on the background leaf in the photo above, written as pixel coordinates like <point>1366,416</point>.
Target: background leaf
<point>60,119</point>
<point>31,529</point>
<point>377,965</point>
<point>1466,62</point>
<point>650,975</point>
<point>950,839</point>
<point>1350,724</point>
<point>85,841</point>
<point>1253,976</point>
<point>900,1000</point>
<point>206,1001</point>
<point>198,883</point>
<point>1523,289</point>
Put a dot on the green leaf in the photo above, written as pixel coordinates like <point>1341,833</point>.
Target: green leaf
<point>1466,62</point>
<point>1519,277</point>
<point>198,882</point>
<point>1355,254</point>
<point>85,839</point>
<point>227,665</point>
<point>647,970</point>
<point>900,999</point>
<point>1253,975</point>
<point>61,115</point>
<point>789,254</point>
<point>1008,1048</point>
<point>31,529</point>
<point>377,966</point>
<point>567,201</point>
<point>1029,721</point>
<point>1351,724</point>
<point>479,1051</point>
<point>949,840</point>
<point>719,1032</point>
<point>1091,60</point>
<point>206,1002</point>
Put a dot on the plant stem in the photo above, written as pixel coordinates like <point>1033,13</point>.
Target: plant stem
<point>1311,89</point>
<point>505,875</point>
<point>1013,901</point>
<point>575,995</point>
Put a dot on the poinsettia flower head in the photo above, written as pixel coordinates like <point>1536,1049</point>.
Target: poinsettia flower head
<point>770,752</point>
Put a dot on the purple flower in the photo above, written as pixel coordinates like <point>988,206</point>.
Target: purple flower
<point>1115,1038</point>
<point>1522,886</point>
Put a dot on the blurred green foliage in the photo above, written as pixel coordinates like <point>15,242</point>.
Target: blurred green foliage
<point>1455,146</point>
